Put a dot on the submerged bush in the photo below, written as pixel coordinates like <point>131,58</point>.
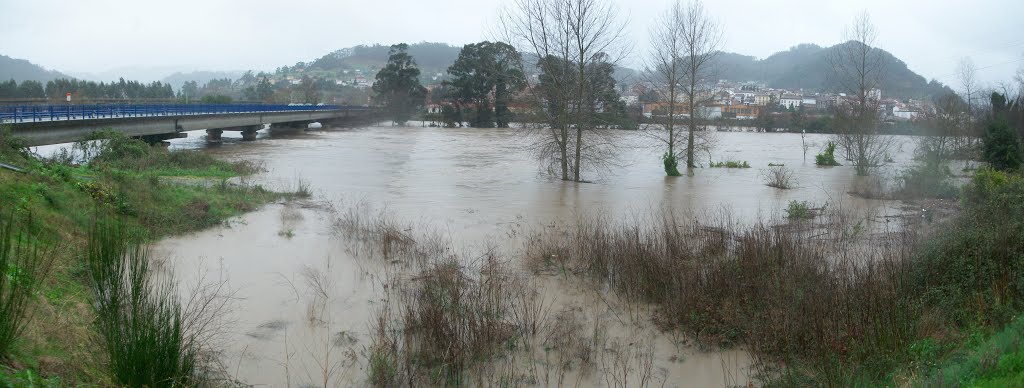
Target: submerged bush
<point>671,164</point>
<point>778,176</point>
<point>799,210</point>
<point>929,179</point>
<point>730,164</point>
<point>780,291</point>
<point>828,157</point>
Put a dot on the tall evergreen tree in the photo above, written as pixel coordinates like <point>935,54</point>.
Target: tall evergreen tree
<point>486,74</point>
<point>398,85</point>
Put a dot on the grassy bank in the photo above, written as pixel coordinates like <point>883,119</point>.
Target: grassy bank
<point>56,201</point>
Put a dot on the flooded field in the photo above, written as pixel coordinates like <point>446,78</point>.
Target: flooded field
<point>307,296</point>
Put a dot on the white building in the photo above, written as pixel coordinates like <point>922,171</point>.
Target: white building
<point>791,101</point>
<point>904,113</point>
<point>875,94</point>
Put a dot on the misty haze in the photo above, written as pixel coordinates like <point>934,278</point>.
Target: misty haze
<point>511,193</point>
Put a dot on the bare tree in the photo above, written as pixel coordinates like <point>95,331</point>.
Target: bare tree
<point>573,43</point>
<point>684,42</point>
<point>1020,83</point>
<point>966,73</point>
<point>945,125</point>
<point>858,68</point>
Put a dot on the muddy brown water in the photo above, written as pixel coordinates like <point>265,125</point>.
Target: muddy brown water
<point>477,186</point>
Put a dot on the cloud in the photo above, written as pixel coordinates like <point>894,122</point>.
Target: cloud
<point>92,36</point>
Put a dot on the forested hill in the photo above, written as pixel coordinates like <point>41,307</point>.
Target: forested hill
<point>806,66</point>
<point>22,70</point>
<point>432,57</point>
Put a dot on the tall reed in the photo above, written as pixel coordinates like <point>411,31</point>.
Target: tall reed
<point>138,317</point>
<point>23,266</point>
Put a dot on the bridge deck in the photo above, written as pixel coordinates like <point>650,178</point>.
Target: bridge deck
<point>37,113</point>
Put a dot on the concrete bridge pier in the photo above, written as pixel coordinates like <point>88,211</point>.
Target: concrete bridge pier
<point>249,133</point>
<point>158,139</point>
<point>291,126</point>
<point>213,134</point>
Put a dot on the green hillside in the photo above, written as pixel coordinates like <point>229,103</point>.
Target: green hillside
<point>806,66</point>
<point>22,70</point>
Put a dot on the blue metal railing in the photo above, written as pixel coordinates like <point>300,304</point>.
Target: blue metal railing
<point>23,113</point>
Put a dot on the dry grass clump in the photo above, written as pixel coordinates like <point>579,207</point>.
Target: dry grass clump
<point>779,176</point>
<point>378,235</point>
<point>800,293</point>
<point>432,327</point>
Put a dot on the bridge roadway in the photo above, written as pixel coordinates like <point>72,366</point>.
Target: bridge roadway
<point>53,124</point>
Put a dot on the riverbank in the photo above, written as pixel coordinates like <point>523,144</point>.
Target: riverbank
<point>311,287</point>
<point>55,202</point>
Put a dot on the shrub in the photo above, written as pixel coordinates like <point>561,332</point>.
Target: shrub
<point>140,321</point>
<point>671,164</point>
<point>779,176</point>
<point>799,210</point>
<point>23,266</point>
<point>973,269</point>
<point>929,179</point>
<point>730,164</point>
<point>828,157</point>
<point>1001,146</point>
<point>11,144</point>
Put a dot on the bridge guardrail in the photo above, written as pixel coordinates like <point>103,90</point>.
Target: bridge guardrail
<point>35,113</point>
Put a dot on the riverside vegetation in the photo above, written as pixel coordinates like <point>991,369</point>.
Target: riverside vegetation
<point>80,302</point>
<point>816,298</point>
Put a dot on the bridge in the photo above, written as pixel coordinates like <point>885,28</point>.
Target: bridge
<point>53,124</point>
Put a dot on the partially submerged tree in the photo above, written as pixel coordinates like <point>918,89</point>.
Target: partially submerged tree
<point>572,41</point>
<point>943,128</point>
<point>398,86</point>
<point>966,73</point>
<point>858,68</point>
<point>702,39</point>
<point>684,41</point>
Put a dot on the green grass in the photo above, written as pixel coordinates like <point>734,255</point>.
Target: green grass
<point>996,361</point>
<point>23,266</point>
<point>64,201</point>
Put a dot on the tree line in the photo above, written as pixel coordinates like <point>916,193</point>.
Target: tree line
<point>83,90</point>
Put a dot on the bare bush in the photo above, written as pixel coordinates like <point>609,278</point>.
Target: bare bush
<point>779,177</point>
<point>434,327</point>
<point>788,293</point>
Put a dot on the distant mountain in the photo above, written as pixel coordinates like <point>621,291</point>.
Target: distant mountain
<point>137,73</point>
<point>22,70</point>
<point>806,67</point>
<point>201,77</point>
<point>431,57</point>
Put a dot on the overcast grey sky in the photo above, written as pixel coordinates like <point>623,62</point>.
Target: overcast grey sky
<point>98,35</point>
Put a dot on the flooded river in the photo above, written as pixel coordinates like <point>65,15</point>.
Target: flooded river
<point>477,187</point>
